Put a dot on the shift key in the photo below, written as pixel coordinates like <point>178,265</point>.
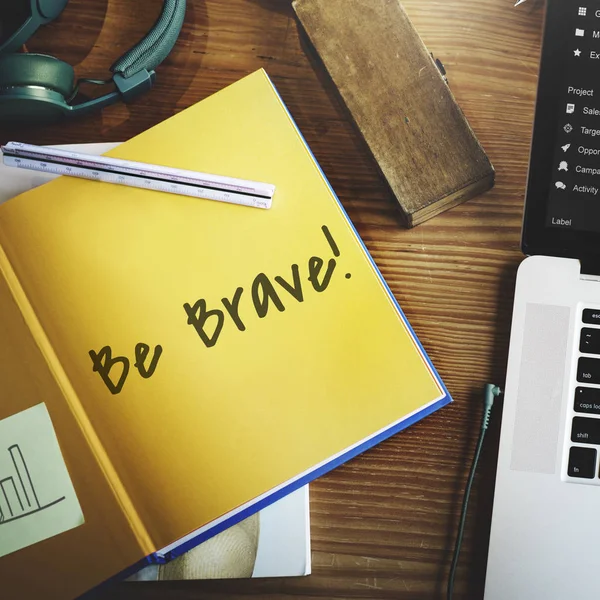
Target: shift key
<point>585,430</point>
<point>588,370</point>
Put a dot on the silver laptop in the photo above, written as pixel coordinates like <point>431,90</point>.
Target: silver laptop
<point>545,533</point>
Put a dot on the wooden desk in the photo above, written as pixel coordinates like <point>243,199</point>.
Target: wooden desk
<point>383,525</point>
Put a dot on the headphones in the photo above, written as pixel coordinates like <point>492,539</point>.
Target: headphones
<point>38,88</point>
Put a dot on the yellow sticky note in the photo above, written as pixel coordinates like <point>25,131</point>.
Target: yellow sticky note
<point>37,498</point>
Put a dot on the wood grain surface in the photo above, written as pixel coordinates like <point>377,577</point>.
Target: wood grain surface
<point>383,525</point>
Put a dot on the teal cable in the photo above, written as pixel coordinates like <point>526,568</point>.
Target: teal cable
<point>491,392</point>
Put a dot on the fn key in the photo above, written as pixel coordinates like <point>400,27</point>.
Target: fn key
<point>582,462</point>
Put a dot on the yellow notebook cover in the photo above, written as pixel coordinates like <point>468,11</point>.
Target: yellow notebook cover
<point>195,360</point>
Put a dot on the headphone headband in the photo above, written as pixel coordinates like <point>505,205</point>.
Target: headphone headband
<point>133,73</point>
<point>156,44</point>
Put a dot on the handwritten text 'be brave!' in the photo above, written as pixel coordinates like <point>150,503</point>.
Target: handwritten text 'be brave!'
<point>209,323</point>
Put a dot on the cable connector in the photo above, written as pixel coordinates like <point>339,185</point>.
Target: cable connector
<point>491,391</point>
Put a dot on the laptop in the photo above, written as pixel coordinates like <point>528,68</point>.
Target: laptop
<point>545,532</point>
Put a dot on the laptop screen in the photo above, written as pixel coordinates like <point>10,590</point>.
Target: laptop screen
<point>562,205</point>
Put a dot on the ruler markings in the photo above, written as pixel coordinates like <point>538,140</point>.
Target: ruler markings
<point>140,175</point>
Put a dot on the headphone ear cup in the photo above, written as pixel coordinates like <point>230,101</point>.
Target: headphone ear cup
<point>37,70</point>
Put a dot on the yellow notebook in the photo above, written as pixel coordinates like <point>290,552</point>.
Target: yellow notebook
<point>170,365</point>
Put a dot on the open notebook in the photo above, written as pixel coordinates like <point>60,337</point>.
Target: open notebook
<point>275,542</point>
<point>193,361</point>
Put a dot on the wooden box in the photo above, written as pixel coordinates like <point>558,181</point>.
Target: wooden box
<point>400,103</point>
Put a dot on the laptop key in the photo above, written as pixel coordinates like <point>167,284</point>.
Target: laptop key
<point>587,400</point>
<point>582,462</point>
<point>585,430</point>
<point>591,316</point>
<point>588,370</point>
<point>589,342</point>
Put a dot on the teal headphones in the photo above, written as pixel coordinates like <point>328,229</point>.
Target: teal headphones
<point>39,88</point>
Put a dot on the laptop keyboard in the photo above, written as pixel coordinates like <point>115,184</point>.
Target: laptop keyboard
<point>585,426</point>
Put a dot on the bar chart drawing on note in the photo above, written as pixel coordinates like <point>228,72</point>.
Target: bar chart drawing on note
<point>18,493</point>
<point>37,497</point>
